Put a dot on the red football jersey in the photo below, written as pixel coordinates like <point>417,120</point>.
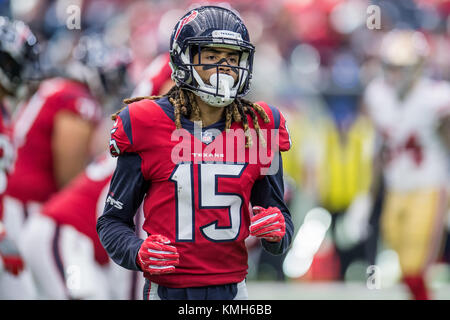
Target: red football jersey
<point>83,200</point>
<point>32,178</point>
<point>200,186</point>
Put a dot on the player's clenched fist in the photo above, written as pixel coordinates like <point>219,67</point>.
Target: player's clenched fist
<point>268,224</point>
<point>156,256</point>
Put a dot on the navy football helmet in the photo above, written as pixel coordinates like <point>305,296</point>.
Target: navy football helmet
<point>211,26</point>
<point>19,53</point>
<point>101,65</point>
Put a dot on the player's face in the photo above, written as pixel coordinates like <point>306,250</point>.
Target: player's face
<point>227,58</point>
<point>400,78</point>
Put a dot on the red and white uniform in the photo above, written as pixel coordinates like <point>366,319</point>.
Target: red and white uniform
<point>31,180</point>
<point>415,169</point>
<point>61,246</point>
<point>79,204</point>
<point>32,131</point>
<point>6,154</point>
<point>12,286</point>
<point>416,158</point>
<point>69,218</point>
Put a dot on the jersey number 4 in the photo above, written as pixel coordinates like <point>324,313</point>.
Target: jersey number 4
<point>208,198</point>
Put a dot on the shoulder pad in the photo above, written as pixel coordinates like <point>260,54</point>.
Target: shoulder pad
<point>277,122</point>
<point>121,136</point>
<point>136,117</point>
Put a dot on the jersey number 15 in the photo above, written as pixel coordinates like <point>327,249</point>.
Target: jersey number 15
<point>208,198</point>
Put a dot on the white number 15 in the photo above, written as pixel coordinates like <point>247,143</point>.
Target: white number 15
<point>209,197</point>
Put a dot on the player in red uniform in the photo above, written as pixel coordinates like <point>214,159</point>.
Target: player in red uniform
<point>18,62</point>
<point>49,132</point>
<point>54,116</point>
<point>198,184</point>
<point>61,246</point>
<point>52,132</point>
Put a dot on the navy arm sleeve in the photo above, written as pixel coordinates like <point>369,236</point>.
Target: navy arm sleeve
<point>269,192</point>
<point>115,226</point>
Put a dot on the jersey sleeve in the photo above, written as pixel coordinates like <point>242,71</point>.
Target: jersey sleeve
<point>121,140</point>
<point>285,141</point>
<point>269,192</point>
<point>82,105</point>
<point>279,123</point>
<point>115,227</point>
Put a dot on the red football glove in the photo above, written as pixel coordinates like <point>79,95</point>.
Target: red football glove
<point>9,254</point>
<point>268,224</point>
<point>156,257</point>
<point>13,264</point>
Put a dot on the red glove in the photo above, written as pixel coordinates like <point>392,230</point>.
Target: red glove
<point>12,264</point>
<point>9,254</point>
<point>268,224</point>
<point>156,257</point>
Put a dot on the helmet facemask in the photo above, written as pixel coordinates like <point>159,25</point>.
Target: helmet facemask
<point>221,90</point>
<point>211,27</point>
<point>10,73</point>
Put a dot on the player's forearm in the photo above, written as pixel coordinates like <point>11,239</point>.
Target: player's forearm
<point>70,146</point>
<point>115,227</point>
<point>278,248</point>
<point>269,192</point>
<point>119,241</point>
<point>281,247</point>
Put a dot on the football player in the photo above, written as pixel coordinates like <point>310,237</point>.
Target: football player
<point>52,132</point>
<point>61,247</point>
<point>18,66</point>
<point>63,231</point>
<point>192,157</point>
<point>411,113</point>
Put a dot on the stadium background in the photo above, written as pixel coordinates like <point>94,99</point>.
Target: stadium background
<point>313,60</point>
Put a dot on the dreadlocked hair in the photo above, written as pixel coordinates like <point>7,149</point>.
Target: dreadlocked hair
<point>131,100</point>
<point>185,104</point>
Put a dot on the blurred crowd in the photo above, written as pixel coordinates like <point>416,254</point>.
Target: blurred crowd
<point>314,61</point>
